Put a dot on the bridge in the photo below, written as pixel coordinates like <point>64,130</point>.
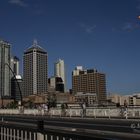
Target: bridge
<point>30,127</point>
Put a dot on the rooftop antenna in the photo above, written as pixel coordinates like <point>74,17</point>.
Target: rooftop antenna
<point>35,42</point>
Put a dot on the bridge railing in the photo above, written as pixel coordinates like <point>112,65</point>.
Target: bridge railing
<point>37,131</point>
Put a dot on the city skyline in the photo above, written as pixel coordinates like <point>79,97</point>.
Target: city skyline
<point>95,34</point>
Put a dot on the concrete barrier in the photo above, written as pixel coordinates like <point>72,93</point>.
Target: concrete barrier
<point>77,112</point>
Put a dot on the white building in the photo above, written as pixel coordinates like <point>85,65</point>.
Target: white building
<point>77,70</point>
<point>59,71</point>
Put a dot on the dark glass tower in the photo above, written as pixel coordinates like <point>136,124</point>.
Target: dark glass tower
<point>35,73</point>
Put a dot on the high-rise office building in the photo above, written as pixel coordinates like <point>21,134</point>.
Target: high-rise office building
<point>60,71</point>
<point>4,69</point>
<point>35,73</point>
<point>89,81</point>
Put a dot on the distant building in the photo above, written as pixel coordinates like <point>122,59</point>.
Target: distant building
<point>56,83</point>
<point>35,73</point>
<point>115,98</point>
<point>131,100</point>
<point>65,98</point>
<point>89,81</point>
<point>89,98</point>
<point>4,69</point>
<point>16,88</point>
<point>15,65</point>
<point>16,80</point>
<point>60,71</point>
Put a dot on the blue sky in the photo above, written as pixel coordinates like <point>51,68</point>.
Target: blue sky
<point>101,34</point>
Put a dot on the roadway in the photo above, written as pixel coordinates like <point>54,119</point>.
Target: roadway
<point>119,129</point>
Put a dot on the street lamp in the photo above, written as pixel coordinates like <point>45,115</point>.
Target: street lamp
<point>6,64</point>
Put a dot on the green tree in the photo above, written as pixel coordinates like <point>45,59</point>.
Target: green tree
<point>12,105</point>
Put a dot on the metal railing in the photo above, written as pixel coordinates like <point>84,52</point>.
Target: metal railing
<point>27,131</point>
<point>42,128</point>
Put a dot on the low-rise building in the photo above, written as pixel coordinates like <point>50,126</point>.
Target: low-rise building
<point>65,98</point>
<point>130,100</point>
<point>89,98</point>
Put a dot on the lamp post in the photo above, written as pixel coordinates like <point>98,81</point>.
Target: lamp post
<point>6,64</point>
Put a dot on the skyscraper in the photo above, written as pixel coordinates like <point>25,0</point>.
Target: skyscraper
<point>35,73</point>
<point>89,81</point>
<point>4,69</point>
<point>60,71</point>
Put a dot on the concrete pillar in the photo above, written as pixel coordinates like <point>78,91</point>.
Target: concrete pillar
<point>18,135</point>
<point>40,136</point>
<point>34,136</point>
<point>1,133</point>
<point>7,133</point>
<point>30,136</point>
<point>11,134</point>
<point>4,133</point>
<point>14,134</point>
<point>22,135</point>
<point>25,133</point>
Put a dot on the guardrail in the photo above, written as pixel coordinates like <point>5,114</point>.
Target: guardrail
<point>29,131</point>
<point>39,129</point>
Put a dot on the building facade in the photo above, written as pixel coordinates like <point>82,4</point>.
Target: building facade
<point>131,100</point>
<point>56,83</point>
<point>16,87</point>
<point>15,65</point>
<point>89,98</point>
<point>4,69</point>
<point>89,81</point>
<point>35,73</point>
<point>16,80</point>
<point>60,71</point>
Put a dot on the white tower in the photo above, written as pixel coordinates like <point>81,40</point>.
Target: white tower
<point>60,71</point>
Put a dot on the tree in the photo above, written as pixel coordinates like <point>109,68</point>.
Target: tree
<point>12,105</point>
<point>52,100</point>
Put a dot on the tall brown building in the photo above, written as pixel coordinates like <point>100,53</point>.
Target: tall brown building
<point>35,73</point>
<point>89,81</point>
